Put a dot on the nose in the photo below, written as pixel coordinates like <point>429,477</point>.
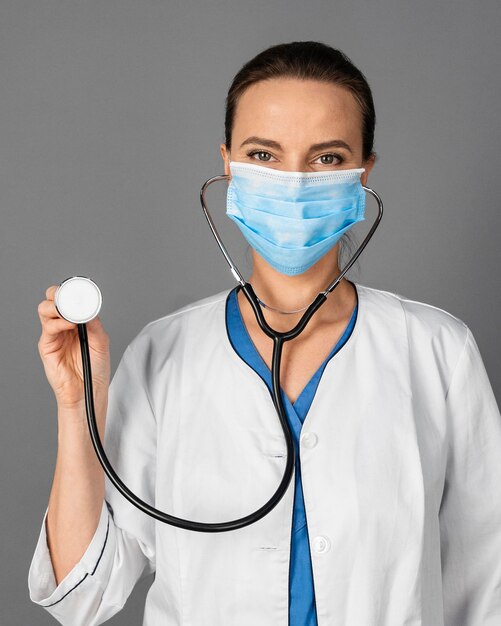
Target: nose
<point>295,163</point>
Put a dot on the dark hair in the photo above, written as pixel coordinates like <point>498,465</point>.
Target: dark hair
<point>306,60</point>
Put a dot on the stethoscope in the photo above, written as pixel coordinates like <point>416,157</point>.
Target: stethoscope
<point>78,300</point>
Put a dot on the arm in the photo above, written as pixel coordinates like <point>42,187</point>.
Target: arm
<point>122,549</point>
<point>470,512</point>
<point>77,494</point>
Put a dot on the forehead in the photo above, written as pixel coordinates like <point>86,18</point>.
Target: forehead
<point>302,108</point>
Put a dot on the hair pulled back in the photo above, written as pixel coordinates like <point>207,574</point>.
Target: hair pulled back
<point>305,60</point>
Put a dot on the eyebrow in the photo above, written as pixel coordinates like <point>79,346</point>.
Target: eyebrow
<point>270,143</point>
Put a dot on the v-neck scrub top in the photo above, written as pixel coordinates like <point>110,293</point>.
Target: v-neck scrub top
<point>302,610</point>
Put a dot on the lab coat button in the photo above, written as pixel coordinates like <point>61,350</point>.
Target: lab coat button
<point>309,440</point>
<point>321,544</point>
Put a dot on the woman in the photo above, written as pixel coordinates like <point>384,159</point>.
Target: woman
<point>391,518</point>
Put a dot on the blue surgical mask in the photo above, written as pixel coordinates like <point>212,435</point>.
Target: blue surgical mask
<point>293,218</point>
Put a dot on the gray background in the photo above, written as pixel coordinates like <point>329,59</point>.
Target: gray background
<point>110,120</point>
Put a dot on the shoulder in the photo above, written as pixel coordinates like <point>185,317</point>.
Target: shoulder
<point>426,324</point>
<point>190,319</point>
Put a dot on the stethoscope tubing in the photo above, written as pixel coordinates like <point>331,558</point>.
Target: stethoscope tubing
<point>279,338</point>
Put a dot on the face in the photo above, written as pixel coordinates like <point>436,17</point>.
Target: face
<point>298,125</point>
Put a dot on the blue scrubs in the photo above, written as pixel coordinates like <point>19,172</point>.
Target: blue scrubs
<point>302,611</point>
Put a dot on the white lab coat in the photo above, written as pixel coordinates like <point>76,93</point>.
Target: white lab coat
<point>401,469</point>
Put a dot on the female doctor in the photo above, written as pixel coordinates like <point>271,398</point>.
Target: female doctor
<point>393,515</point>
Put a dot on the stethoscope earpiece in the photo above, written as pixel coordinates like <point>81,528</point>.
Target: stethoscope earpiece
<point>78,299</point>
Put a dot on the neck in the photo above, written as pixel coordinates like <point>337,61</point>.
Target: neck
<point>288,293</point>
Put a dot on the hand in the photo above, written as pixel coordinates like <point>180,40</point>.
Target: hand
<point>59,349</point>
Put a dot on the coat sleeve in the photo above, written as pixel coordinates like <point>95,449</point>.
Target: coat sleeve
<point>470,511</point>
<point>122,550</point>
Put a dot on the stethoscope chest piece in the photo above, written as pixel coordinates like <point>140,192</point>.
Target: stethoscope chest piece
<point>78,299</point>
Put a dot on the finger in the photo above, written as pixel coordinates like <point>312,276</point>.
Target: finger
<point>47,309</point>
<point>95,326</point>
<point>50,292</point>
<point>53,327</point>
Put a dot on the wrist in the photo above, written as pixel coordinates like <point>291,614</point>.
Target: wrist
<point>73,422</point>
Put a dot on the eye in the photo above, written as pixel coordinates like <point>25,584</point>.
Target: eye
<point>259,152</point>
<point>329,160</point>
